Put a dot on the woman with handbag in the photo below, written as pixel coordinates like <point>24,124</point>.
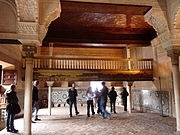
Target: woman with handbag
<point>12,108</point>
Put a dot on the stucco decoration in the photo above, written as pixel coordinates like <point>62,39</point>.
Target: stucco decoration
<point>17,9</point>
<point>176,27</point>
<point>176,20</point>
<point>28,10</point>
<point>155,19</point>
<point>49,11</point>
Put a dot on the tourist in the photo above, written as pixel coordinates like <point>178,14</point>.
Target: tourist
<point>103,101</point>
<point>124,95</point>
<point>35,100</point>
<point>12,108</point>
<point>72,94</point>
<point>97,101</point>
<point>90,96</point>
<point>112,96</point>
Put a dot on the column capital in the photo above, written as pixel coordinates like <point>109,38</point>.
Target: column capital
<point>174,53</point>
<point>29,50</point>
<point>50,83</point>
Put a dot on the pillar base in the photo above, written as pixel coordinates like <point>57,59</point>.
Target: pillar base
<point>177,133</point>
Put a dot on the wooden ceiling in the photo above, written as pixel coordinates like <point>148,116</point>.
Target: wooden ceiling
<point>100,25</point>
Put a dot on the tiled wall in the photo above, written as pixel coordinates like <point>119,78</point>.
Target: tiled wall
<point>150,101</point>
<point>143,100</point>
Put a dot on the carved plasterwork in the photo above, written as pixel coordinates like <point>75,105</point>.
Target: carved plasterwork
<point>28,10</point>
<point>165,39</point>
<point>53,14</point>
<point>152,17</point>
<point>51,10</point>
<point>174,53</point>
<point>42,32</point>
<point>29,28</point>
<point>17,9</point>
<point>177,18</point>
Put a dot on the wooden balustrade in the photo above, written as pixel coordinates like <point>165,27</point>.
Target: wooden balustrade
<point>91,64</point>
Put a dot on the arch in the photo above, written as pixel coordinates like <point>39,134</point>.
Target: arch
<point>11,4</point>
<point>156,21</point>
<point>52,15</point>
<point>54,10</point>
<point>8,16</point>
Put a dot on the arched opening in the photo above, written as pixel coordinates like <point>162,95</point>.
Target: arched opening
<point>8,16</point>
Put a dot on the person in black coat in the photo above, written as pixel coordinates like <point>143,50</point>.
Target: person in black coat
<point>112,96</point>
<point>124,95</point>
<point>12,108</point>
<point>35,99</point>
<point>72,94</point>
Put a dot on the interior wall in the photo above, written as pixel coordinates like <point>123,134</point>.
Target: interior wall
<point>12,54</point>
<point>141,52</point>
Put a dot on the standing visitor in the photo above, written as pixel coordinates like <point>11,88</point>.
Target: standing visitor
<point>90,96</point>
<point>112,96</point>
<point>97,99</point>
<point>12,108</point>
<point>124,95</point>
<point>103,101</point>
<point>35,99</point>
<point>72,94</point>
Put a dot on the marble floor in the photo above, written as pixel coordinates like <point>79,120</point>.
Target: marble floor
<point>122,123</point>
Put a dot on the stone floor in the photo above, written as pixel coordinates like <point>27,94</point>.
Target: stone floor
<point>122,123</point>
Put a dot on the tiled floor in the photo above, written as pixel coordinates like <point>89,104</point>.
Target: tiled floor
<point>59,123</point>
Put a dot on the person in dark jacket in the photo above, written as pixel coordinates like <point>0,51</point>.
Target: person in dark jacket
<point>124,95</point>
<point>11,109</point>
<point>112,96</point>
<point>72,94</point>
<point>103,101</point>
<point>35,98</point>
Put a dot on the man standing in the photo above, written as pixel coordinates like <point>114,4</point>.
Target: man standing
<point>35,99</point>
<point>72,94</point>
<point>103,100</point>
<point>112,95</point>
<point>124,95</point>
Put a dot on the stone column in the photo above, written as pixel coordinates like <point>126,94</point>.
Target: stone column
<point>130,96</point>
<point>174,53</point>
<point>49,84</point>
<point>29,52</point>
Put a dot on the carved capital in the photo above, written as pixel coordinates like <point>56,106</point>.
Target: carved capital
<point>29,50</point>
<point>174,53</point>
<point>50,83</point>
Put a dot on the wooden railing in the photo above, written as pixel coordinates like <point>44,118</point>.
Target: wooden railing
<point>91,64</point>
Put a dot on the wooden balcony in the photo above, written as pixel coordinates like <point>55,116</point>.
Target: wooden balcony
<point>92,69</point>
